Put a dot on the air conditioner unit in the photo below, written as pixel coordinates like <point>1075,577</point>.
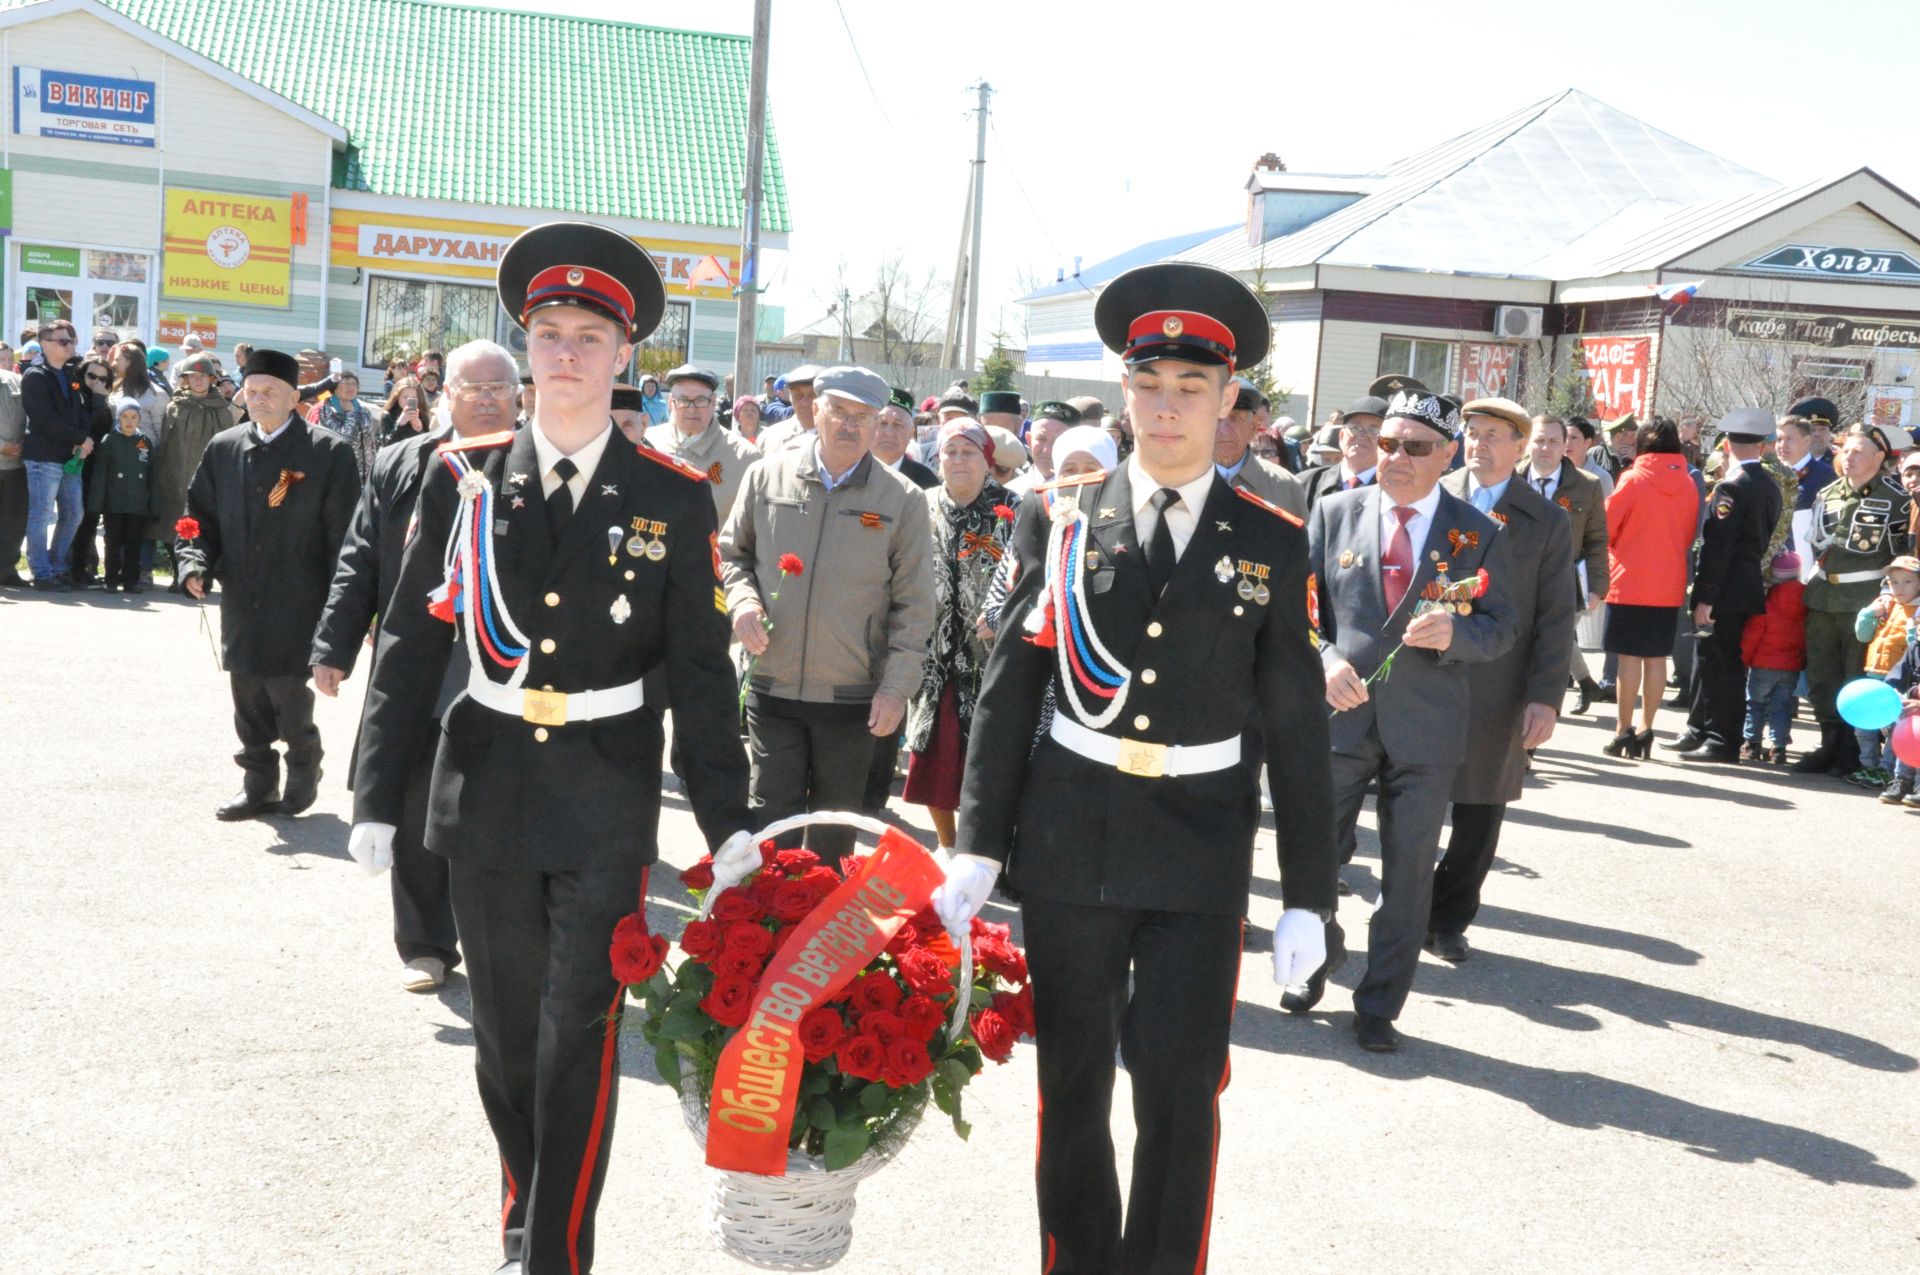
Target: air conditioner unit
<point>1517,322</point>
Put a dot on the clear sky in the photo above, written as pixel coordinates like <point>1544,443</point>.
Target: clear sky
<point>1122,122</point>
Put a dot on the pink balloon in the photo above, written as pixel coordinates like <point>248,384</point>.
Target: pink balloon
<point>1906,739</point>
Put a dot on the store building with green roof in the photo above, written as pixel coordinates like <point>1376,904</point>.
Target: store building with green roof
<point>343,174</point>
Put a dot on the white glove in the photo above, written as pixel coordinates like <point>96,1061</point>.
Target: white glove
<point>737,859</point>
<point>958,899</point>
<point>371,845</point>
<point>1299,946</point>
<point>334,367</point>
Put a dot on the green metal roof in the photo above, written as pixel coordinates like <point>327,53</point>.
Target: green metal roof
<point>494,107</point>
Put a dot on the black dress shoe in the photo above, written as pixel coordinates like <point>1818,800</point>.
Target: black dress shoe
<point>1449,947</point>
<point>303,786</point>
<point>52,584</point>
<point>248,805</point>
<point>1300,1002</point>
<point>1713,752</point>
<point>1688,741</point>
<point>1375,1034</point>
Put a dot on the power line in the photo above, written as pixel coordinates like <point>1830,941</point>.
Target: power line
<point>1021,186</point>
<point>862,63</point>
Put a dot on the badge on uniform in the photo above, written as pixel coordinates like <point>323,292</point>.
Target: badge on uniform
<point>1223,569</point>
<point>1252,586</point>
<point>613,545</point>
<point>1348,557</point>
<point>713,473</point>
<point>639,546</point>
<point>1722,507</point>
<point>621,609</point>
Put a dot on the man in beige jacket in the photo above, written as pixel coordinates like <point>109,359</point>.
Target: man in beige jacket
<point>691,436</point>
<point>837,645</point>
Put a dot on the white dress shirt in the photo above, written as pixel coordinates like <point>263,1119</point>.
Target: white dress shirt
<point>1182,517</point>
<point>1546,484</point>
<point>267,436</point>
<point>585,461</point>
<point>1416,526</point>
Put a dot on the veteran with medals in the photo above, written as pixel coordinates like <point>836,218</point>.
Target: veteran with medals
<point>569,564</point>
<point>1156,603</point>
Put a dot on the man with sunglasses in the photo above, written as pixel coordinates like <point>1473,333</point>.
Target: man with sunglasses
<point>1382,557</point>
<point>55,447</point>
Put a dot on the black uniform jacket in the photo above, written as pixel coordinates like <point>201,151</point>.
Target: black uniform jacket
<point>1078,831</point>
<point>273,563</point>
<point>1325,480</point>
<point>1741,512</point>
<point>511,795</point>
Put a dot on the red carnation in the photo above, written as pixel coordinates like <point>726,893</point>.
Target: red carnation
<point>790,564</point>
<point>820,1031</point>
<point>883,1024</point>
<point>907,1063</point>
<point>731,997</point>
<point>793,900</point>
<point>737,905</point>
<point>875,990</point>
<point>701,940</point>
<point>699,876</point>
<point>732,964</point>
<point>636,955</point>
<point>1017,1009</point>
<point>925,973</point>
<point>922,1017</point>
<point>796,860</point>
<point>991,1033</point>
<point>1003,512</point>
<point>1479,584</point>
<point>187,529</point>
<point>863,1057</point>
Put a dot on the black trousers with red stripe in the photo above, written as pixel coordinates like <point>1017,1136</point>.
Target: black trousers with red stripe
<point>1172,1032</point>
<point>546,1015</point>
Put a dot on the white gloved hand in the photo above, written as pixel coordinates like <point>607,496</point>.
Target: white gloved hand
<point>371,845</point>
<point>737,859</point>
<point>958,899</point>
<point>1299,946</point>
<point>334,367</point>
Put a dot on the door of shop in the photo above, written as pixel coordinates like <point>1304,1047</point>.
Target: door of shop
<point>91,287</point>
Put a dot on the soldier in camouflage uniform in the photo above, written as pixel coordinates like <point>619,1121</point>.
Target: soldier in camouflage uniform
<point>1860,523</point>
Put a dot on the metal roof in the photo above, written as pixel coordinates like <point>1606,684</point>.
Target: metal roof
<point>1090,277</point>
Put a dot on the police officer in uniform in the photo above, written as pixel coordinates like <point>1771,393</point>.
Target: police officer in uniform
<point>1860,522</point>
<point>1128,832</point>
<point>1729,584</point>
<point>579,564</point>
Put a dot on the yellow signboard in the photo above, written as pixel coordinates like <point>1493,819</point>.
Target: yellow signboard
<point>233,248</point>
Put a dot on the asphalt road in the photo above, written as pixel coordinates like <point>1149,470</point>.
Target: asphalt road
<point>1686,1041</point>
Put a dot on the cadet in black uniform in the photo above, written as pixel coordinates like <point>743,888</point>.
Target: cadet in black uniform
<point>578,564</point>
<point>1729,584</point>
<point>1129,831</point>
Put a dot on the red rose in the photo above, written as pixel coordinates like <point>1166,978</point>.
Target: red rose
<point>903,938</point>
<point>732,964</point>
<point>768,852</point>
<point>737,905</point>
<point>824,880</point>
<point>793,900</point>
<point>862,1057</point>
<point>701,940</point>
<point>699,876</point>
<point>820,1031</point>
<point>790,564</point>
<point>922,1017</point>
<point>881,1023</point>
<point>730,999</point>
<point>907,1063</point>
<point>636,955</point>
<point>796,860</point>
<point>187,529</point>
<point>925,973</point>
<point>991,1033</point>
<point>763,887</point>
<point>1004,960</point>
<point>749,938</point>
<point>875,990</point>
<point>1017,1009</point>
<point>926,920</point>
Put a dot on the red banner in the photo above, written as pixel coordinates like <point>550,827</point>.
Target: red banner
<point>758,1076</point>
<point>1486,370</point>
<point>1618,370</point>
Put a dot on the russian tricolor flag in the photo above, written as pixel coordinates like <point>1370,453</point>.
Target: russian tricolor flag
<point>1677,294</point>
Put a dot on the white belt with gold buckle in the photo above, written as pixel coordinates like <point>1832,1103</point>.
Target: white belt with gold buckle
<point>1143,759</point>
<point>556,708</point>
<point>1851,577</point>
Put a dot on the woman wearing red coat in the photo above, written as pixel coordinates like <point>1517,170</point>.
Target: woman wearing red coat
<point>1652,519</point>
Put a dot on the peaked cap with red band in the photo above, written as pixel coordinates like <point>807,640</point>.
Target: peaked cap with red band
<point>1177,310</point>
<point>580,264</point>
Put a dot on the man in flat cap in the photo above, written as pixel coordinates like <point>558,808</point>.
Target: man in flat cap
<point>1729,585</point>
<point>1050,420</point>
<point>271,500</point>
<point>837,647</point>
<point>1514,698</point>
<point>1860,524</point>
<point>1396,564</point>
<point>692,436</point>
<point>1154,602</point>
<point>893,441</point>
<point>569,564</point>
<point>1359,452</point>
<point>780,430</point>
<point>1233,455</point>
<point>1622,437</point>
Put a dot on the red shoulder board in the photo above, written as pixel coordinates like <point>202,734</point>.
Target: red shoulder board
<point>500,439</point>
<point>1252,499</point>
<point>677,466</point>
<point>1078,480</point>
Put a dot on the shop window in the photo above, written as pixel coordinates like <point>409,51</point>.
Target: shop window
<point>408,317</point>
<point>1428,362</point>
<point>666,349</point>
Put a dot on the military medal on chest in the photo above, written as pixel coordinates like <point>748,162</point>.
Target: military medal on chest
<point>1253,582</point>
<point>639,546</point>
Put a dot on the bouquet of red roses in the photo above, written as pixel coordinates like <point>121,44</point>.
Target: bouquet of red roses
<point>874,1051</point>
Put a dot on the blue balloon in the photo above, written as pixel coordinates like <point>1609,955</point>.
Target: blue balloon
<point>1867,703</point>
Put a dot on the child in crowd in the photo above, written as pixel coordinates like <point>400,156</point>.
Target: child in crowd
<point>1905,678</point>
<point>1773,646</point>
<point>123,495</point>
<point>1884,625</point>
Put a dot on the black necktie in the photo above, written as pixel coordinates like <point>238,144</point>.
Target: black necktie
<point>560,503</point>
<point>1160,554</point>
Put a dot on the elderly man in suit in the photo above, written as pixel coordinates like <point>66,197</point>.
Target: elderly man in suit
<point>1387,560</point>
<point>1516,698</point>
<point>1233,454</point>
<point>1359,461</point>
<point>1549,470</point>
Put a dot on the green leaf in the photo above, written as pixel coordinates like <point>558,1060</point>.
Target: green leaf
<point>660,984</point>
<point>981,998</point>
<point>820,1114</point>
<point>876,1100</point>
<point>814,1080</point>
<point>954,1071</point>
<point>945,1096</point>
<point>845,1145</point>
<point>667,1062</point>
<point>684,1022</point>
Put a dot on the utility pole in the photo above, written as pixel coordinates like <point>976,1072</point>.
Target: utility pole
<point>846,326</point>
<point>979,193</point>
<point>747,291</point>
